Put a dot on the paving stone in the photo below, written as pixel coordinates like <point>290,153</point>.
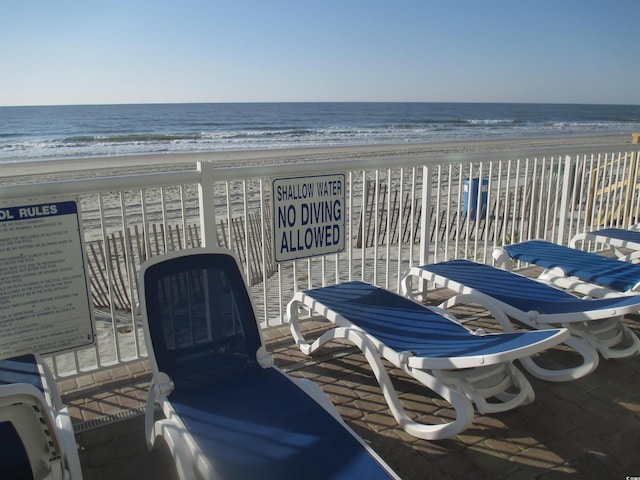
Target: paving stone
<point>94,438</point>
<point>91,410</point>
<point>379,422</point>
<point>110,406</point>
<point>539,457</point>
<point>503,448</point>
<point>588,428</point>
<point>488,465</point>
<point>84,381</point>
<point>101,455</point>
<point>139,368</point>
<point>488,421</point>
<point>127,468</point>
<point>121,372</point>
<point>67,385</point>
<point>348,412</point>
<point>130,400</point>
<point>596,464</point>
<point>570,449</point>
<point>341,391</point>
<point>102,376</point>
<point>469,437</point>
<point>452,466</point>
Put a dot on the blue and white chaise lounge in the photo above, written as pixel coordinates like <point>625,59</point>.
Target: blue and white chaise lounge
<point>36,434</point>
<point>461,366</point>
<point>576,270</point>
<point>625,243</point>
<point>229,413</point>
<point>595,324</point>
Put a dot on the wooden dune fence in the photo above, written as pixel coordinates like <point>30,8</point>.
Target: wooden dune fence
<point>392,225</point>
<point>615,191</point>
<point>399,226</point>
<point>113,270</point>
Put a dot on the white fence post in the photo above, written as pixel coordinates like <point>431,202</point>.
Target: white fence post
<point>206,196</point>
<point>425,225</point>
<point>564,201</point>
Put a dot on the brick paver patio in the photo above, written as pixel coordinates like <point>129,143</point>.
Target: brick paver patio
<point>587,428</point>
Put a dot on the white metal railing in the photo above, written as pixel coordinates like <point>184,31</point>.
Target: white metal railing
<point>398,214</point>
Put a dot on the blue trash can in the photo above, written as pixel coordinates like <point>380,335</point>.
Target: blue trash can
<point>470,197</point>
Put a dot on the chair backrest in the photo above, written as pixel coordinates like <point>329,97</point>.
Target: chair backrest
<point>21,369</point>
<point>14,460</point>
<point>199,317</point>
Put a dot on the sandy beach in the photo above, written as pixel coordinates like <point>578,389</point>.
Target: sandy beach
<point>433,153</point>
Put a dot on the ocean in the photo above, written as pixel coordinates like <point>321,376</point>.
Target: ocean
<point>87,131</point>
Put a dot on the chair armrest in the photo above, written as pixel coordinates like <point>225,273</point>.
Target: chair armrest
<point>161,386</point>
<point>68,439</point>
<point>264,358</point>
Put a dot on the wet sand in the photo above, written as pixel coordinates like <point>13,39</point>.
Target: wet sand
<point>433,153</point>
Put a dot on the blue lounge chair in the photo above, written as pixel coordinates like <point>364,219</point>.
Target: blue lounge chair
<point>594,324</point>
<point>625,243</point>
<point>36,434</point>
<point>229,413</point>
<point>461,366</point>
<point>583,272</point>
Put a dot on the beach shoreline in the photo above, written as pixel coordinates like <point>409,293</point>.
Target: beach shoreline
<point>490,149</point>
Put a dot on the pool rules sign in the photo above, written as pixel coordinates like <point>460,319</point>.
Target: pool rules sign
<point>44,299</point>
<point>308,216</point>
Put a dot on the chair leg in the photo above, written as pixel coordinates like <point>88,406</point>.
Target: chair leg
<point>503,382</point>
<point>590,361</point>
<point>611,337</point>
<point>460,403</point>
<point>589,354</point>
<point>179,450</point>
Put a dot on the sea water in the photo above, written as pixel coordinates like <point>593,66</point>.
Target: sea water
<point>54,132</point>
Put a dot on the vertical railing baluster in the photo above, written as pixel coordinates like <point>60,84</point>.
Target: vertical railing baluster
<point>623,202</point>
<point>412,214</point>
<point>609,188</point>
<point>426,216</point>
<point>582,201</point>
<point>350,217</point>
<point>459,214</point>
<point>552,194</point>
<point>263,257</point>
<point>145,225</point>
<point>499,196</point>
<point>467,215</point>
<point>207,202</point>
<point>635,198</point>
<point>364,233</point>
<point>400,228</point>
<point>387,268</point>
<point>533,196</point>
<point>436,221</point>
<point>448,213</point>
<point>131,271</point>
<point>508,206</point>
<point>573,219</point>
<point>487,214</point>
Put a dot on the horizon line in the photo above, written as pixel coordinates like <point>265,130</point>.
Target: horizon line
<point>268,102</point>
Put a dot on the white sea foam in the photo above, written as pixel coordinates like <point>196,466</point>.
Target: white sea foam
<point>43,133</point>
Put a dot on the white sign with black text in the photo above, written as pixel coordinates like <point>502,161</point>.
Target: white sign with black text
<point>308,216</point>
<point>44,297</point>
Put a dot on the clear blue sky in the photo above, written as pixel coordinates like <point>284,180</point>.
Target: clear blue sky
<point>161,51</point>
